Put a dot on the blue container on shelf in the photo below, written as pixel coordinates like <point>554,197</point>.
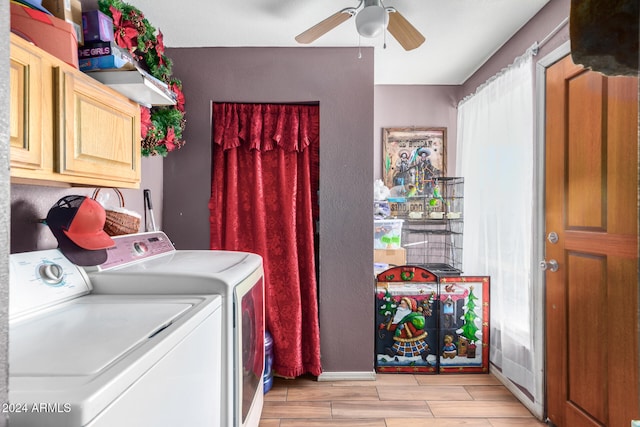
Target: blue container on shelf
<point>268,361</point>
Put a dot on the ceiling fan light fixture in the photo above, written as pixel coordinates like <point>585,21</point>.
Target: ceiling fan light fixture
<point>372,21</point>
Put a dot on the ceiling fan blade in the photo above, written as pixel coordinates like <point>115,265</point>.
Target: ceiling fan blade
<point>325,26</point>
<point>406,34</point>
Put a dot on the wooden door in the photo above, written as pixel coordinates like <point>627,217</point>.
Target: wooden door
<point>591,203</point>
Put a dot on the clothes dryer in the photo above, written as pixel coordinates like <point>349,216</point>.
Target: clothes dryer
<point>151,262</point>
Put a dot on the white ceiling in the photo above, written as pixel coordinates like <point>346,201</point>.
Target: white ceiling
<point>460,34</point>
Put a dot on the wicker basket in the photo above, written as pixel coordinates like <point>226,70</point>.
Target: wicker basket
<point>119,222</point>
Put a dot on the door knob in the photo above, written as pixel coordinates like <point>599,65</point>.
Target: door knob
<point>551,265</point>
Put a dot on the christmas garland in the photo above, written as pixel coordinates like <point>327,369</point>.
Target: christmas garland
<point>161,126</point>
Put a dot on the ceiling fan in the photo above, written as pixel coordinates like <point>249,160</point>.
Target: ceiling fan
<point>372,18</point>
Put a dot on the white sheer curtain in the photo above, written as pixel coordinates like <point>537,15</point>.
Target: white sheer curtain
<point>495,155</point>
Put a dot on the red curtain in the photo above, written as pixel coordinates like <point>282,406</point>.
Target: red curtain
<point>264,200</point>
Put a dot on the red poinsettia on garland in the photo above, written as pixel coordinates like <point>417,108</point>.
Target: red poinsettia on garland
<point>161,126</point>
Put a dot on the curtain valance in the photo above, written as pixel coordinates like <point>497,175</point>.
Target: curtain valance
<point>264,127</point>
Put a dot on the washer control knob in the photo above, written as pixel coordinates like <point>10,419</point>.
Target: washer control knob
<point>51,274</point>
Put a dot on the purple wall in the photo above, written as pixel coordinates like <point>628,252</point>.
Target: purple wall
<point>419,106</point>
<point>343,86</point>
<point>30,203</point>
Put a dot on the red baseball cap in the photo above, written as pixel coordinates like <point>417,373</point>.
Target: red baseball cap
<point>77,223</point>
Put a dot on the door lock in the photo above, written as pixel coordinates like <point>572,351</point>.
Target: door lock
<point>551,265</point>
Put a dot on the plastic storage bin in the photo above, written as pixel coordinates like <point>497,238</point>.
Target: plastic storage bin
<point>268,361</point>
<point>387,233</point>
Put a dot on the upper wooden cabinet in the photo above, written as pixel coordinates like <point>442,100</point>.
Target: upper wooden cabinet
<point>25,120</point>
<point>67,128</point>
<point>98,133</point>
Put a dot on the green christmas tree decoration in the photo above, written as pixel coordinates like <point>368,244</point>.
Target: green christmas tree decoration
<point>389,305</point>
<point>469,329</point>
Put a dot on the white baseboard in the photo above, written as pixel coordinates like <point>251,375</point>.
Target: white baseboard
<point>347,376</point>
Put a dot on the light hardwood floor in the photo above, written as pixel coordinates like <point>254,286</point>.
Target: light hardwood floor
<point>395,400</point>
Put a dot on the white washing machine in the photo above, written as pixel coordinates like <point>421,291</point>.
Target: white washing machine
<point>158,268</point>
<point>78,358</point>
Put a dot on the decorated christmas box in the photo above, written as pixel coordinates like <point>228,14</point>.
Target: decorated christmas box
<point>431,324</point>
<point>406,320</point>
<point>463,306</point>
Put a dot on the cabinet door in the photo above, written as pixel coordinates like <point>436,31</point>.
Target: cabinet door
<point>25,118</point>
<point>98,132</point>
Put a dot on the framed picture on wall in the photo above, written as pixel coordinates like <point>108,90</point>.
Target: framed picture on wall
<point>413,157</point>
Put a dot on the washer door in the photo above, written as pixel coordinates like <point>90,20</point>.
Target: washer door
<point>85,336</point>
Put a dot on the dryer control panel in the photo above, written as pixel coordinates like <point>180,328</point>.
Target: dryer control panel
<point>132,248</point>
